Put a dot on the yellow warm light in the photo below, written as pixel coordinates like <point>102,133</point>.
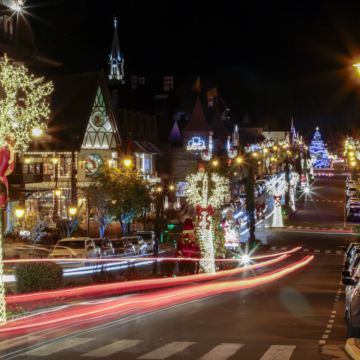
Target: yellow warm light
<point>37,132</point>
<point>215,162</point>
<point>275,147</point>
<point>350,146</point>
<point>352,159</point>
<point>259,162</point>
<point>57,192</point>
<point>20,212</point>
<point>239,160</point>
<point>171,187</point>
<point>351,154</point>
<point>300,142</point>
<point>254,154</point>
<point>265,151</point>
<point>284,146</point>
<point>353,163</point>
<point>357,67</point>
<point>27,161</point>
<point>127,162</point>
<point>55,160</point>
<point>73,210</point>
<point>272,159</point>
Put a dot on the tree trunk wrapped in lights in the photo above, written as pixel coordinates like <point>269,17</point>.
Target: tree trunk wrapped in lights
<point>293,182</point>
<point>206,192</point>
<point>278,192</point>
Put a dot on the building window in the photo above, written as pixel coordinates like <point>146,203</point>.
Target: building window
<point>180,188</point>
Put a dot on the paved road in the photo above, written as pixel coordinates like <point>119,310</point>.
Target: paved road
<point>297,317</point>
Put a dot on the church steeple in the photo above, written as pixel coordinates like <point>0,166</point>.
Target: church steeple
<point>116,62</point>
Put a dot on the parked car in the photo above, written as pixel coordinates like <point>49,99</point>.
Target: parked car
<point>353,213</point>
<point>105,246</point>
<point>352,312</point>
<point>350,271</point>
<point>353,202</point>
<point>149,238</point>
<point>123,247</point>
<point>351,191</point>
<point>139,244</point>
<point>351,183</point>
<point>260,186</point>
<point>352,198</point>
<point>351,250</point>
<point>75,247</point>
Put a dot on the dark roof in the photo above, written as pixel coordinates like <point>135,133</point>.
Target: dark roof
<point>145,147</point>
<point>220,132</point>
<point>197,121</point>
<point>71,106</point>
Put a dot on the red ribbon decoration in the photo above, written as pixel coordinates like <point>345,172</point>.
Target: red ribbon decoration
<point>199,210</point>
<point>6,168</point>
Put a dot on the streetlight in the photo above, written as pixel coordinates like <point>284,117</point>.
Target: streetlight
<point>37,132</point>
<point>159,189</point>
<point>265,151</point>
<point>72,210</point>
<point>351,154</point>
<point>239,160</point>
<point>171,187</point>
<point>353,163</point>
<point>57,192</point>
<point>255,154</point>
<point>350,146</point>
<point>55,161</point>
<point>275,147</point>
<point>19,212</point>
<point>127,162</point>
<point>215,162</point>
<point>27,161</point>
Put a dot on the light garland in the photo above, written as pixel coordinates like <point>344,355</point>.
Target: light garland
<point>248,148</point>
<point>198,195</point>
<point>293,182</point>
<point>19,116</point>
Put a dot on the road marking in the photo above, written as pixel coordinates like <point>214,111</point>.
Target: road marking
<point>340,201</point>
<point>306,250</point>
<point>325,336</point>
<point>330,201</point>
<point>273,248</point>
<point>168,350</point>
<point>222,352</point>
<point>113,348</point>
<point>341,229</point>
<point>322,342</point>
<point>327,331</point>
<point>336,299</point>
<point>316,228</point>
<point>17,341</point>
<point>58,346</point>
<point>338,252</point>
<point>322,200</point>
<point>308,227</point>
<point>333,312</point>
<point>329,326</point>
<point>290,227</point>
<point>331,321</point>
<point>317,250</point>
<point>327,251</point>
<point>283,248</point>
<point>332,316</point>
<point>333,229</point>
<point>279,352</point>
<point>299,227</point>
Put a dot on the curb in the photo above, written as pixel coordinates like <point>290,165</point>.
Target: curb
<point>351,348</point>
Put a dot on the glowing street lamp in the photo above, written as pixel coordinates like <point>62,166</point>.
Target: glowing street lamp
<point>72,210</point>
<point>57,192</point>
<point>275,147</point>
<point>27,161</point>
<point>350,146</point>
<point>265,151</point>
<point>255,154</point>
<point>353,163</point>
<point>171,187</point>
<point>351,154</point>
<point>55,160</point>
<point>215,162</point>
<point>19,212</point>
<point>239,160</point>
<point>127,162</point>
<point>159,189</point>
<point>37,132</point>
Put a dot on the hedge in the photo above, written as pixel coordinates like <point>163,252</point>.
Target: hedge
<point>38,276</point>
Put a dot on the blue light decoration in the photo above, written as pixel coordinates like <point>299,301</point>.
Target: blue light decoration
<point>317,148</point>
<point>196,144</point>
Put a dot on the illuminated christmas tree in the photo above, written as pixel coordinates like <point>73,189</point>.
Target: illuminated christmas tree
<point>317,149</point>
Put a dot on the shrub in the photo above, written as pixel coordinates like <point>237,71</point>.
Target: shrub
<point>38,276</point>
<point>167,267</point>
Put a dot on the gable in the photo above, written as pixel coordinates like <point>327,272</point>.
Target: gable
<point>100,130</point>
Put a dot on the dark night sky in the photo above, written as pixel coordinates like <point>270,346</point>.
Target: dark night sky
<point>270,59</point>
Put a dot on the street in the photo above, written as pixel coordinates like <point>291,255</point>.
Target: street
<point>299,316</point>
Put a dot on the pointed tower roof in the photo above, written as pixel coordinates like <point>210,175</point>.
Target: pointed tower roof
<point>197,121</point>
<point>218,126</point>
<point>115,50</point>
<point>175,134</point>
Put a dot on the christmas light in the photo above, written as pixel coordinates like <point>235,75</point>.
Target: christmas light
<point>293,182</point>
<point>277,192</point>
<point>198,195</point>
<point>19,117</point>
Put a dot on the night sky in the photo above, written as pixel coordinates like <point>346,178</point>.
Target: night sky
<point>270,59</point>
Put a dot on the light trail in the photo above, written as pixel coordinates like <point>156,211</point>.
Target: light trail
<point>276,254</point>
<point>57,296</point>
<point>148,302</point>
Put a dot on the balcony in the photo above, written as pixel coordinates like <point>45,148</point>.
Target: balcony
<point>25,174</point>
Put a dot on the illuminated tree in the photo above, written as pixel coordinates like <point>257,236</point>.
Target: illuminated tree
<point>206,192</point>
<point>278,190</point>
<point>22,111</point>
<point>23,107</point>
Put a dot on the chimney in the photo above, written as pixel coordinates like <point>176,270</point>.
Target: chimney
<point>134,82</point>
<point>168,83</point>
<point>114,98</point>
<point>141,80</point>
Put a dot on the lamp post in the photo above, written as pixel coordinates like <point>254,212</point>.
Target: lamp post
<point>55,161</point>
<point>159,202</point>
<point>20,212</point>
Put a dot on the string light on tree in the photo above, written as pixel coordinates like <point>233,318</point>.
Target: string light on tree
<point>205,199</point>
<point>293,182</point>
<point>278,192</point>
